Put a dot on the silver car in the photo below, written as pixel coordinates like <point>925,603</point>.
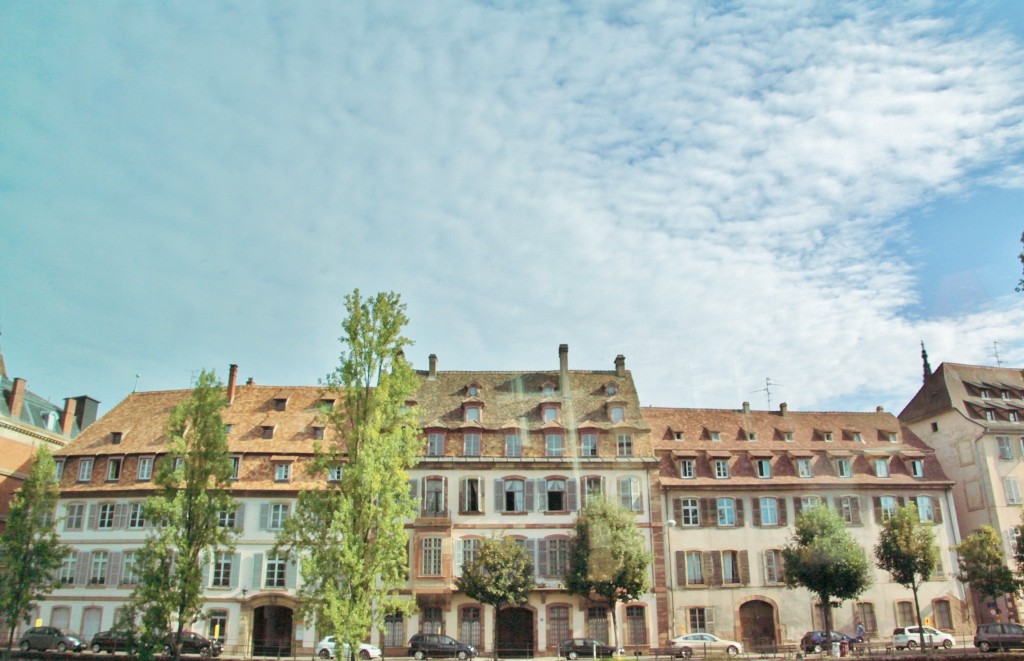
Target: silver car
<point>325,649</point>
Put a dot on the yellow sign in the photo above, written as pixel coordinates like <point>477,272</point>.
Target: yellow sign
<point>216,630</point>
<point>927,621</point>
<point>39,621</point>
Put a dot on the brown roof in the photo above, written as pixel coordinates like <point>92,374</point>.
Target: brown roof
<point>956,386</point>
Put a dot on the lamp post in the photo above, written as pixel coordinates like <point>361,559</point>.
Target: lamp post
<point>670,583</point>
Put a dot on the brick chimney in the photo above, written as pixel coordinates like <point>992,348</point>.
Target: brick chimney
<point>746,407</point>
<point>86,409</point>
<point>563,368</point>
<point>783,408</point>
<point>232,382</point>
<point>67,418</point>
<point>17,398</point>
<point>620,365</point>
<point>879,409</point>
<point>433,365</point>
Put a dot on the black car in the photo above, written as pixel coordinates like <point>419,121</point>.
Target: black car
<point>50,638</point>
<point>112,641</point>
<point>996,636</point>
<point>816,642</point>
<point>422,645</point>
<point>193,643</point>
<point>575,648</point>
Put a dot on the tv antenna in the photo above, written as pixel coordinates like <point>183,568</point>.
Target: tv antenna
<point>767,390</point>
<point>995,352</point>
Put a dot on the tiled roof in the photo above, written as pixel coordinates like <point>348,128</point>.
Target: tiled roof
<point>34,409</point>
<point>956,386</point>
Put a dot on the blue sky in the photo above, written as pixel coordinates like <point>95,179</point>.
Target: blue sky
<point>722,192</point>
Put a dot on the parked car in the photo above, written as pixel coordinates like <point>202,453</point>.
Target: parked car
<point>422,645</point>
<point>325,649</point>
<point>575,648</point>
<point>997,636</point>
<point>703,644</point>
<point>193,643</point>
<point>816,642</point>
<point>112,641</point>
<point>50,638</point>
<point>910,638</point>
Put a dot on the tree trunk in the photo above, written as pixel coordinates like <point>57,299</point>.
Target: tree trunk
<point>917,609</point>
<point>826,605</point>
<point>494,636</point>
<point>615,626</point>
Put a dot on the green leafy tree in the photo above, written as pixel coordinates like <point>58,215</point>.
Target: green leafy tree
<point>30,553</point>
<point>349,537</point>
<point>608,560</point>
<point>500,575</point>
<point>193,482</point>
<point>981,563</point>
<point>906,549</point>
<point>823,557</point>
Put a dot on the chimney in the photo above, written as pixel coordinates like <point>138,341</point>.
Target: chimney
<point>563,368</point>
<point>67,419</point>
<point>783,408</point>
<point>232,382</point>
<point>620,365</point>
<point>17,397</point>
<point>433,365</point>
<point>85,411</point>
<point>746,407</point>
<point>879,409</point>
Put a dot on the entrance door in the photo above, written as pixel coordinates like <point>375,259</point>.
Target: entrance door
<point>514,635</point>
<point>757,620</point>
<point>272,631</point>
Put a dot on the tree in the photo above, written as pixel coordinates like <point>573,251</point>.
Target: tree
<point>1020,283</point>
<point>193,482</point>
<point>607,557</point>
<point>823,557</point>
<point>981,563</point>
<point>30,553</point>
<point>906,549</point>
<point>500,575</point>
<point>349,537</point>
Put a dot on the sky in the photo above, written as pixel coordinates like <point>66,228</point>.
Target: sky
<point>729,194</point>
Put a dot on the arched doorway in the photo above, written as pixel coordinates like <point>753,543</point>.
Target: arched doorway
<point>757,622</point>
<point>513,634</point>
<point>272,631</point>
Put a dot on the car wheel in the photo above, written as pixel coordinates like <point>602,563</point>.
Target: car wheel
<point>363,654</point>
<point>167,650</point>
<point>62,646</point>
<point>911,644</point>
<point>25,646</point>
<point>984,646</point>
<point>205,651</point>
<point>324,653</point>
<point>573,655</point>
<point>732,651</point>
<point>686,652</point>
<point>947,644</point>
<point>419,655</point>
<point>96,648</point>
<point>462,655</point>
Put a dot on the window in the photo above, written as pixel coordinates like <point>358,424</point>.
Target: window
<point>514,496</point>
<point>593,488</point>
<point>394,630</point>
<point>556,495</point>
<point>553,446</point>
<point>334,473</point>
<point>865,614</point>
<point>803,468</point>
<point>128,576</point>
<point>98,568</point>
<point>917,468</point>
<point>222,567</point>
<point>892,437</point>
<point>617,413</point>
<point>990,415</point>
<point>136,515</point>
<point>435,444</point>
<point>236,467</point>
<point>809,502</point>
<point>1005,450</point>
<point>827,436</point>
<point>636,625</point>
<point>925,509</point>
<point>843,468</point>
<point>217,628</point>
<point>716,436</point>
<point>857,437</point>
<point>1012,417</point>
<point>935,426</point>
<point>882,467</point>
<point>277,513</point>
<point>624,445</point>
<point>282,472</point>
<point>721,468</point>
<point>113,469</point>
<point>469,495</point>
<point>769,511</point>
<point>687,469</point>
<point>597,623</point>
<point>679,436</point>
<point>280,403</point>
<point>559,627</point>
<point>629,494</point>
<point>277,568</point>
<point>471,444</point>
<point>611,389</point>
<point>178,463</point>
<point>787,436</point>
<point>702,620</point>
<point>751,435</point>
<point>318,433</point>
<point>144,471</point>
<point>66,573</point>
<point>694,568</point>
<point>84,469</point>
<point>105,516</point>
<point>943,614</point>
<point>549,412</point>
<point>731,567</point>
<point>689,512</point>
<point>1005,394</point>
<point>763,467</point>
<point>588,444</point>
<point>468,548</point>
<point>985,393</point>
<point>772,566</point>
<point>227,518</point>
<point>849,509</point>
<point>434,497</point>
<point>558,557</point>
<point>59,465</point>
<point>1012,489</point>
<point>726,511</point>
<point>430,621</point>
<point>268,431</point>
<point>887,506</point>
<point>74,515</point>
<point>513,445</point>
<point>472,414</point>
<point>905,614</point>
<point>470,626</point>
<point>431,561</point>
<point>472,390</point>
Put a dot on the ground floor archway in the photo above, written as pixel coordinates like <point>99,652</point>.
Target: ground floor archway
<point>757,625</point>
<point>272,629</point>
<point>513,635</point>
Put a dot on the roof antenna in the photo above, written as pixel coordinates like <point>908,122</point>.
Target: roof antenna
<point>135,388</point>
<point>767,390</point>
<point>995,352</point>
<point>924,359</point>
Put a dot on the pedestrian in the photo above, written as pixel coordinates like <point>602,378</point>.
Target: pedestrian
<point>860,632</point>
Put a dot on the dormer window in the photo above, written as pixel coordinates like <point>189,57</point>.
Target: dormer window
<point>282,472</point>
<point>113,469</point>
<point>115,438</point>
<point>916,468</point>
<point>617,413</point>
<point>856,437</point>
<point>611,389</point>
<point>318,432</point>
<point>227,428</point>
<point>990,415</point>
<point>892,437</point>
<point>826,436</point>
<point>985,393</point>
<point>1012,416</point>
<point>678,435</point>
<point>549,412</point>
<point>715,436</point>
<point>327,402</point>
<point>881,467</point>
<point>50,420</point>
<point>280,403</point>
<point>472,413</point>
<point>547,389</point>
<point>751,435</point>
<point>268,431</point>
<point>787,436</point>
<point>472,390</point>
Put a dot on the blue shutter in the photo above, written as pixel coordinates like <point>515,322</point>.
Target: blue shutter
<point>499,495</point>
<point>571,492</point>
<point>240,517</point>
<point>257,571</point>
<point>528,487</point>
<point>542,557</point>
<point>264,516</point>
<point>236,569</point>
<point>206,568</point>
<point>290,571</point>
<point>114,568</point>
<point>531,550</point>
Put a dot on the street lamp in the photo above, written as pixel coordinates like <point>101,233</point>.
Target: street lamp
<point>670,575</point>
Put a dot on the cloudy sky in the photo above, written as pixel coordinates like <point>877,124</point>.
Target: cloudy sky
<point>724,192</point>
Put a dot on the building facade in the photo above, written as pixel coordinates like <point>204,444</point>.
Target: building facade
<point>974,418</point>
<point>732,483</point>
